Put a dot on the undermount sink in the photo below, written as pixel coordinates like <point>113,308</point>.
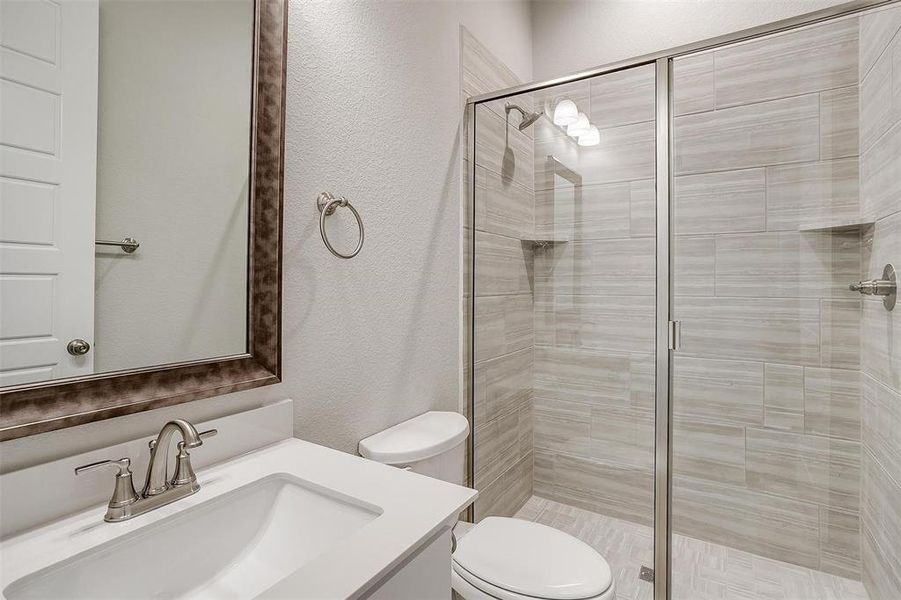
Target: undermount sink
<point>235,545</point>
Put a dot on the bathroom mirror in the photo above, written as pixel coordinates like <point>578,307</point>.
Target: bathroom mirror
<point>141,156</point>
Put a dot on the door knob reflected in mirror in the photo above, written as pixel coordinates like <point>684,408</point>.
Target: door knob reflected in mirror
<point>78,347</point>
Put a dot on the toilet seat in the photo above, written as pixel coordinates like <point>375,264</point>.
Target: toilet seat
<point>511,559</point>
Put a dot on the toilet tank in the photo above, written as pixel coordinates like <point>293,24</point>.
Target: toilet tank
<point>431,444</point>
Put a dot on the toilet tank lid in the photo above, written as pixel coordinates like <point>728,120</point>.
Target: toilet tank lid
<point>420,438</point>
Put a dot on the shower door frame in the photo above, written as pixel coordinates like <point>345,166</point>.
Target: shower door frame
<point>666,329</point>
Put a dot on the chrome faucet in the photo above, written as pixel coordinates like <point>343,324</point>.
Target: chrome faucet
<point>157,481</point>
<point>159,490</point>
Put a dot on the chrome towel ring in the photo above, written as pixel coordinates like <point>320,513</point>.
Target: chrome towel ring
<point>327,203</point>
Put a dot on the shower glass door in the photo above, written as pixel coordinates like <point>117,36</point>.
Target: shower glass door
<point>771,168</point>
<point>564,314</point>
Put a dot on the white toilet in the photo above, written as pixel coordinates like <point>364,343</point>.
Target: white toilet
<point>499,558</point>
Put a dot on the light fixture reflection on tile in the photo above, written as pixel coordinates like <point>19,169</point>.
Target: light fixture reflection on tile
<point>590,138</point>
<point>582,125</point>
<point>565,113</point>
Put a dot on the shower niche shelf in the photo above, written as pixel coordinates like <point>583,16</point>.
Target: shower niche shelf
<point>836,226</point>
<point>543,240</point>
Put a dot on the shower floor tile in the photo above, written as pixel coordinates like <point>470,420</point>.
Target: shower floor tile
<point>701,570</point>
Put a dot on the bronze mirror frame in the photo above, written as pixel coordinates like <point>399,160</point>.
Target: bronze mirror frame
<point>33,408</point>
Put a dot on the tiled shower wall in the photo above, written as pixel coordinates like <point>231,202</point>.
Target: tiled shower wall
<point>772,178</point>
<point>880,171</point>
<point>594,301</point>
<point>766,386</point>
<point>766,393</point>
<point>503,306</point>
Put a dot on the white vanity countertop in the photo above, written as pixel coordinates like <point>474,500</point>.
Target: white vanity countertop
<point>414,508</point>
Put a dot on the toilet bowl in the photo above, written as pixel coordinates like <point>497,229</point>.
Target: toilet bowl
<point>499,558</point>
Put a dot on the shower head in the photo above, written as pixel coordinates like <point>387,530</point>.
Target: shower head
<point>527,117</point>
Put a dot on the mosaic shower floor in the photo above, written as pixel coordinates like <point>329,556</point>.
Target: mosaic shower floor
<point>701,570</point>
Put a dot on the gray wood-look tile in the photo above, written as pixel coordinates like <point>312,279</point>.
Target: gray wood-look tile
<point>525,101</point>
<point>880,518</point>
<point>497,447</point>
<point>896,75</point>
<point>502,207</point>
<point>546,171</point>
<point>506,494</point>
<point>562,426</point>
<point>482,71</point>
<point>623,437</point>
<point>877,28</point>
<point>613,323</point>
<point>624,267</point>
<point>881,425</point>
<point>708,450</point>
<point>625,153</point>
<point>693,265</point>
<point>840,330</point>
<point>502,148</point>
<point>876,111</point>
<point>787,64</point>
<point>502,385</point>
<point>880,577</point>
<point>881,330</point>
<point>601,211</point>
<point>812,468</point>
<point>840,542</point>
<point>623,97</point>
<point>642,381</point>
<point>503,265</point>
<point>701,570</point>
<point>503,324</point>
<point>779,528</point>
<point>725,391</point>
<point>622,492</point>
<point>643,208</point>
<point>779,330</point>
<point>693,84</point>
<point>839,123</point>
<point>572,374</point>
<point>880,176</point>
<point>787,264</point>
<point>832,402</point>
<point>812,194</point>
<point>784,397</point>
<point>756,135</point>
<point>725,202</point>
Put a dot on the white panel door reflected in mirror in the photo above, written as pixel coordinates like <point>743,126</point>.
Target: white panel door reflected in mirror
<point>123,118</point>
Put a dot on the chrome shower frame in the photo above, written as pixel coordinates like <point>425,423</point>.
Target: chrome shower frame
<point>664,303</point>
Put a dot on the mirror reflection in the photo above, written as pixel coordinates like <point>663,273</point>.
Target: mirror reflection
<point>125,170</point>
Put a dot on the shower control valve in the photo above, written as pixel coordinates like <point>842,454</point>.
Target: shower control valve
<point>887,287</point>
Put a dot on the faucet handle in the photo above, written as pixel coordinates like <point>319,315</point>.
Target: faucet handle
<point>124,493</point>
<point>184,472</point>
<point>124,465</point>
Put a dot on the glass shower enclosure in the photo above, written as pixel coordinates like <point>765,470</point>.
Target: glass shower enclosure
<point>667,359</point>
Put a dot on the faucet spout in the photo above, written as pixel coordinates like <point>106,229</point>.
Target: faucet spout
<point>157,475</point>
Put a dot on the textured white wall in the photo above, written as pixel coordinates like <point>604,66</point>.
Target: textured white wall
<point>572,35</point>
<point>373,112</point>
